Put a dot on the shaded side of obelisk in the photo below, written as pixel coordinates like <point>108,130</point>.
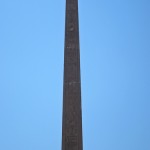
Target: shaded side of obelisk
<point>72,112</point>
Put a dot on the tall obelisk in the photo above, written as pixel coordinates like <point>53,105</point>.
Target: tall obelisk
<point>72,113</point>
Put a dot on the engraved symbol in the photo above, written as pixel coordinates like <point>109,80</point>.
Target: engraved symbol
<point>71,27</point>
<point>71,142</point>
<point>71,46</point>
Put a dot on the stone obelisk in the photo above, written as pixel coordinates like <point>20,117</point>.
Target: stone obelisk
<point>72,112</point>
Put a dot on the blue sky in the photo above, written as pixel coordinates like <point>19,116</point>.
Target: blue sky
<point>115,71</point>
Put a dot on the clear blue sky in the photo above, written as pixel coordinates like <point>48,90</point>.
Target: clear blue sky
<point>115,69</point>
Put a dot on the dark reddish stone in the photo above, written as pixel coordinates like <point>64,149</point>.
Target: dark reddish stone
<point>72,113</point>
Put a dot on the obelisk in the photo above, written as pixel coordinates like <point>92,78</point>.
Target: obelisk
<point>72,112</point>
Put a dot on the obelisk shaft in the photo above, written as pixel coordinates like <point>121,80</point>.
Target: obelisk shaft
<point>72,114</point>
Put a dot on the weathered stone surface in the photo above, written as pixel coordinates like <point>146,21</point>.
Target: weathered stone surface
<point>72,114</point>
